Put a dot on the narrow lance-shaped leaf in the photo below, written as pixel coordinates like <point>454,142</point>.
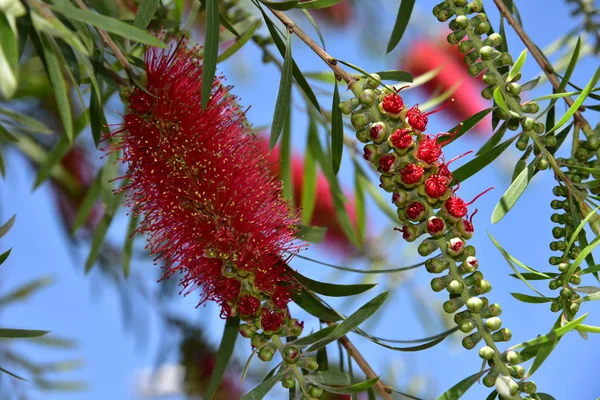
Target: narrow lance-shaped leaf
<point>456,391</point>
<point>314,4</point>
<point>224,353</point>
<point>145,12</point>
<point>309,184</point>
<point>404,13</point>
<point>211,48</point>
<point>331,289</point>
<point>513,193</point>
<point>21,333</point>
<point>518,65</point>
<point>128,246</point>
<point>284,97</point>
<point>240,42</point>
<point>280,5</point>
<point>9,58</point>
<point>7,226</point>
<point>337,131</point>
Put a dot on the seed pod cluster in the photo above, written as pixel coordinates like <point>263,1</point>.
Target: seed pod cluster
<point>413,169</point>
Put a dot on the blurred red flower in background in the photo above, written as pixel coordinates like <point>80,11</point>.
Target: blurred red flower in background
<point>338,14</point>
<point>425,55</point>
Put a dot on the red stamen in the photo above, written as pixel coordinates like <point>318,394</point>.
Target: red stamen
<point>478,196</point>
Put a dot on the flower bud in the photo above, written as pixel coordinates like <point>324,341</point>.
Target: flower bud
<point>409,232</point>
<point>491,311</point>
<point>475,304</point>
<point>490,379</point>
<point>361,119</point>
<point>452,305</point>
<point>471,57</point>
<point>456,36</point>
<point>310,364</point>
<point>455,247</point>
<point>556,306</point>
<point>490,78</point>
<point>574,308</point>
<point>347,106</point>
<point>565,293</point>
<point>367,97</point>
<point>488,92</point>
<point>427,247</point>
<point>378,132</point>
<point>504,59</point>
<point>527,387</point>
<point>476,69</point>
<point>372,81</point>
<point>363,135</point>
<point>371,153</point>
<point>387,183</point>
<point>436,265</point>
<point>291,354</point>
<point>493,323</point>
<point>503,335</point>
<point>247,330</point>
<point>462,316</point>
<point>563,267</point>
<point>315,391</point>
<point>266,354</point>
<point>399,198</point>
<point>530,108</point>
<point>466,326</point>
<point>486,52</point>
<point>473,278</point>
<point>475,6</point>
<point>295,327</point>
<point>438,284</point>
<point>416,211</point>
<point>466,45</point>
<point>469,264</point>
<point>512,357</point>
<point>436,226</point>
<point>288,382</point>
<point>455,287</point>
<point>513,88</point>
<point>257,340</point>
<point>486,352</point>
<point>471,341</point>
<point>516,371</point>
<point>460,3</point>
<point>470,251</point>
<point>575,280</point>
<point>461,21</point>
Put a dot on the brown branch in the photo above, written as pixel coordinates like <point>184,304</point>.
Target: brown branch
<point>293,28</point>
<point>110,43</point>
<point>541,60</point>
<point>385,392</point>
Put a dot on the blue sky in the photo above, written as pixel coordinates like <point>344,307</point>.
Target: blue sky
<point>114,346</point>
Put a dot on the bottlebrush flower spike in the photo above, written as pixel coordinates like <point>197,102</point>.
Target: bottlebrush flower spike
<point>421,187</point>
<point>211,209</point>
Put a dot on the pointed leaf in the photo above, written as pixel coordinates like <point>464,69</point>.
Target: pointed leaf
<point>128,246</point>
<point>284,97</point>
<point>24,291</point>
<point>356,388</point>
<point>312,305</point>
<point>404,13</point>
<point>211,49</point>
<point>224,353</point>
<point>7,333</point>
<point>145,12</point>
<point>530,299</point>
<point>314,4</point>
<point>309,184</point>
<point>7,226</point>
<point>259,392</point>
<point>332,289</point>
<point>513,193</point>
<point>456,391</point>
<point>480,162</point>
<point>337,131</point>
<point>280,5</point>
<point>240,42</point>
<point>518,65</point>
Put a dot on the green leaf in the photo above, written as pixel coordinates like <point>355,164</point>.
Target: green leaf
<point>581,225</point>
<point>259,392</point>
<point>298,76</point>
<point>554,334</point>
<point>7,226</point>
<point>314,306</point>
<point>404,13</point>
<point>7,333</point>
<point>542,396</point>
<point>536,276</point>
<point>518,65</point>
<point>11,374</point>
<point>109,24</point>
<point>332,289</point>
<point>285,167</point>
<point>582,255</point>
<point>542,355</point>
<point>58,83</point>
<point>89,201</point>
<point>360,206</point>
<point>312,234</point>
<point>26,122</point>
<point>364,271</point>
<point>395,75</point>
<point>280,5</point>
<point>510,259</point>
<point>225,22</point>
<point>588,328</point>
<point>356,388</point>
<point>60,386</point>
<point>224,353</point>
<point>353,321</point>
<point>9,58</point>
<point>4,256</point>
<point>579,101</point>
<point>337,131</point>
<point>52,159</point>
<point>211,49</point>
<point>23,292</point>
<point>284,97</point>
<point>513,193</point>
<point>128,246</point>
<point>467,125</point>
<point>330,378</point>
<point>456,391</point>
<point>499,98</point>
<point>480,162</point>
<point>316,26</point>
<point>314,337</point>
<point>240,42</point>
<point>530,299</point>
<point>145,12</point>
<point>309,184</point>
<point>314,4</point>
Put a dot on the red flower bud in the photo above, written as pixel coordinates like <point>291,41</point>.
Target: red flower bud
<point>436,226</point>
<point>248,305</point>
<point>386,162</point>
<point>392,104</point>
<point>411,174</point>
<point>401,139</point>
<point>271,321</point>
<point>436,186</point>
<point>415,211</point>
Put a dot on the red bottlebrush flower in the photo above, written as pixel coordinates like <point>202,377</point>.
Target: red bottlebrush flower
<point>443,168</point>
<point>386,162</point>
<point>457,207</point>
<point>392,103</point>
<point>411,174</point>
<point>248,305</point>
<point>418,120</point>
<point>436,185</point>
<point>429,150</point>
<point>425,55</point>
<point>324,211</point>
<point>415,210</point>
<point>208,201</point>
<point>402,139</point>
<point>281,297</point>
<point>436,226</point>
<point>271,320</point>
<point>339,14</point>
<point>229,288</point>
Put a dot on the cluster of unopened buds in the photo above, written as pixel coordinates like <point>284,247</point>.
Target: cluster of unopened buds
<point>413,169</point>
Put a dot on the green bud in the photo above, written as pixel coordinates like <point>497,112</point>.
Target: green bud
<point>574,308</point>
<point>471,57</point>
<point>488,93</point>
<point>475,6</point>
<point>466,45</point>
<point>462,316</point>
<point>257,340</point>
<point>461,21</point>
<point>476,69</point>
<point>311,364</point>
<point>347,106</point>
<point>482,28</point>
<point>486,53</point>
<point>367,97</point>
<point>456,36</point>
<point>489,380</point>
<point>315,391</point>
<point>428,246</point>
<point>288,382</point>
<point>527,387</point>
<point>516,371</point>
<point>512,124</point>
<point>522,142</point>
<point>575,280</point>
<point>493,323</point>
<point>512,357</point>
<point>471,341</point>
<point>473,278</point>
<point>565,293</point>
<point>486,352</point>
<point>550,140</point>
<point>372,81</point>
<point>491,311</point>
<point>452,305</point>
<point>444,15</point>
<point>361,119</point>
<point>455,287</point>
<point>558,232</point>
<point>438,284</point>
<point>466,326</point>
<point>503,335</point>
<point>490,78</point>
<point>460,3</point>
<point>504,59</point>
<point>530,108</point>
<point>493,40</point>
<point>295,327</point>
<point>528,124</point>
<point>247,330</point>
<point>363,135</point>
<point>291,354</point>
<point>475,304</point>
<point>470,251</point>
<point>502,113</point>
<point>266,354</point>
<point>543,163</point>
<point>593,143</point>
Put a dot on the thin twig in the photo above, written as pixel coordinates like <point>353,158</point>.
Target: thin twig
<point>109,42</point>
<point>541,60</point>
<point>329,60</point>
<point>364,365</point>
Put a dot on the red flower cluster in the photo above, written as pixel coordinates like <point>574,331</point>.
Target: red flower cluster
<point>425,55</point>
<point>210,207</point>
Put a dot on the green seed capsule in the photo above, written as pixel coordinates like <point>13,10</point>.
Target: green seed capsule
<point>575,280</point>
<point>311,364</point>
<point>504,59</point>
<point>493,40</point>
<point>503,335</point>
<point>543,163</point>
<point>486,53</point>
<point>550,140</point>
<point>493,323</point>
<point>455,287</point>
<point>475,304</point>
<point>565,293</point>
<point>555,204</point>
<point>574,308</point>
<point>530,108</point>
<point>555,306</point>
<point>471,341</point>
<point>486,352</point>
<point>266,354</point>
<point>492,310</point>
<point>361,119</point>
